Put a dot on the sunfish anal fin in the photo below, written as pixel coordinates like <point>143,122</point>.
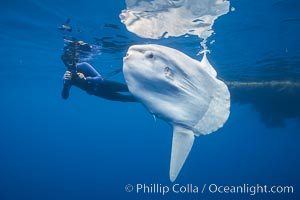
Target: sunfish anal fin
<point>183,140</point>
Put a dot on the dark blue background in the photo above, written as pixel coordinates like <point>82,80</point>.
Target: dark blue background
<point>90,148</point>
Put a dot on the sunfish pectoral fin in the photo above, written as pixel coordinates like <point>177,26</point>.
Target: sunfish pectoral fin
<point>183,140</point>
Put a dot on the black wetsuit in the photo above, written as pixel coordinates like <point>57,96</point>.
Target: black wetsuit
<point>94,84</point>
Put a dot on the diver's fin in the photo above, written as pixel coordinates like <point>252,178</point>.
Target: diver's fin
<point>183,140</point>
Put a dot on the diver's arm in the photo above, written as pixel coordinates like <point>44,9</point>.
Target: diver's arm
<point>89,73</point>
<point>79,80</point>
<point>87,69</point>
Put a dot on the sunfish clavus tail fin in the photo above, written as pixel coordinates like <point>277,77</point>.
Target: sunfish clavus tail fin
<point>183,140</point>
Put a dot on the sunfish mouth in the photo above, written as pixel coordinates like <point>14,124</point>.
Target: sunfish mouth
<point>130,51</point>
<point>136,50</point>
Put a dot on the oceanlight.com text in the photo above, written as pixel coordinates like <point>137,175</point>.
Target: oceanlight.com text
<point>248,189</point>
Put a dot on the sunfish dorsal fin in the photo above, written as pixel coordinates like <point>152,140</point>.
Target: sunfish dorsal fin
<point>207,66</point>
<point>183,140</point>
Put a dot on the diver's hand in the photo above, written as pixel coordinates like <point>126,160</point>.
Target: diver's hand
<point>81,76</point>
<point>67,77</point>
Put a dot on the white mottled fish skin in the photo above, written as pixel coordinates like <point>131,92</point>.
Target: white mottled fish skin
<point>179,90</point>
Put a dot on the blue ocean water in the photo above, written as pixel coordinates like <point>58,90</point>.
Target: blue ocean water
<point>91,148</point>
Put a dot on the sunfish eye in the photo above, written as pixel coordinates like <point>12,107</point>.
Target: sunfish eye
<point>149,55</point>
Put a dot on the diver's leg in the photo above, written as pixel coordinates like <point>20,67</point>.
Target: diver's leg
<point>114,86</point>
<point>118,97</point>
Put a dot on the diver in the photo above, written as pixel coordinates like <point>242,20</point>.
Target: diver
<point>85,77</point>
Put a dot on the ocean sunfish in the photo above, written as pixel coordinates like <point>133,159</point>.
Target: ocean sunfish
<point>179,90</point>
